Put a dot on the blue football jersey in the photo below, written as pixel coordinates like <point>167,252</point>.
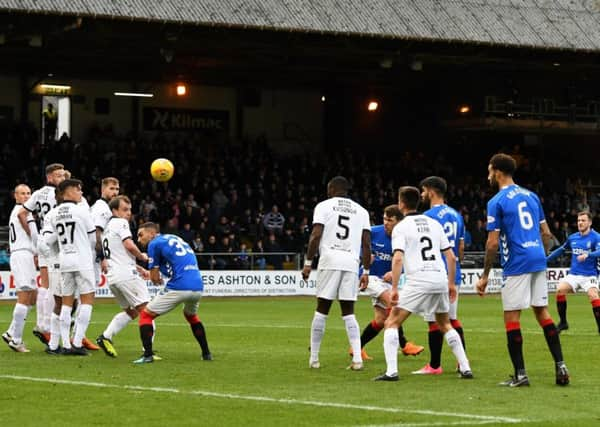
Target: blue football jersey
<point>381,248</point>
<point>580,244</point>
<point>517,214</point>
<point>172,255</point>
<point>454,227</point>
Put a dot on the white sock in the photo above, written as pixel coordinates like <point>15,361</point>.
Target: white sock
<point>81,323</point>
<point>40,308</point>
<point>65,325</point>
<point>19,316</point>
<point>48,309</point>
<point>453,340</point>
<point>390,348</point>
<point>353,332</point>
<point>116,324</point>
<point>11,328</point>
<point>317,330</point>
<point>54,331</point>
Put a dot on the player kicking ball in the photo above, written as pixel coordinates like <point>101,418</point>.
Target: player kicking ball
<point>172,256</point>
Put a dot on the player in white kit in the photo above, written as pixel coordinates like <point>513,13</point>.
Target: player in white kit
<point>101,214</point>
<point>74,230</point>
<point>40,203</point>
<point>341,230</point>
<point>23,268</point>
<point>418,243</point>
<point>120,253</point>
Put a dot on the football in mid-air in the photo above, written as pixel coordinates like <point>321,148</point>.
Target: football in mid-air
<point>162,170</point>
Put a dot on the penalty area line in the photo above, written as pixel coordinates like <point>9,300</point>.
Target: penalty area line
<point>473,418</point>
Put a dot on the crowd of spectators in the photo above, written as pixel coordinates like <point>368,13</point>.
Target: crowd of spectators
<point>249,200</point>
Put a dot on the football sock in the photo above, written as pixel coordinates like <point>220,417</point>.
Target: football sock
<point>65,325</point>
<point>118,322</point>
<point>81,323</point>
<point>54,331</point>
<point>515,345</point>
<point>390,348</point>
<point>561,307</point>
<point>455,343</point>
<point>317,330</point>
<point>436,340</point>
<point>19,316</point>
<point>353,332</point>
<point>147,332</point>
<point>40,307</point>
<point>370,332</point>
<point>552,339</point>
<point>401,338</point>
<point>198,332</point>
<point>48,309</point>
<point>459,329</point>
<point>596,310</point>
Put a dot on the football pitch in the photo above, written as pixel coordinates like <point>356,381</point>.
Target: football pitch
<point>260,375</point>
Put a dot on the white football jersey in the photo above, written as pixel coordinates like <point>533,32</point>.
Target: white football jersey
<point>101,213</point>
<point>73,227</point>
<point>422,240</point>
<point>121,263</point>
<point>343,223</point>
<point>52,254</point>
<point>18,238</point>
<point>41,201</point>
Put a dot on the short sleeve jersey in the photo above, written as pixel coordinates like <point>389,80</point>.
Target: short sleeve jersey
<point>121,263</point>
<point>517,214</point>
<point>422,240</point>
<point>343,223</point>
<point>72,225</point>
<point>454,226</point>
<point>53,258</point>
<point>381,249</point>
<point>41,201</point>
<point>172,254</point>
<point>101,213</point>
<point>18,239</point>
<point>583,244</point>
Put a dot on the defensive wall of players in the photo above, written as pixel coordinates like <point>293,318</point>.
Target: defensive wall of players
<point>280,283</point>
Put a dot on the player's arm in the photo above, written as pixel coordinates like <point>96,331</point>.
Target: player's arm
<point>22,215</point>
<point>546,236</point>
<point>155,276</point>
<point>451,266</point>
<point>366,256</point>
<point>134,250</point>
<point>98,245</point>
<point>557,252</point>
<point>491,252</point>
<point>461,250</point>
<point>313,246</point>
<point>397,264</point>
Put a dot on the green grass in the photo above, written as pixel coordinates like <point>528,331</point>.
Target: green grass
<point>260,374</point>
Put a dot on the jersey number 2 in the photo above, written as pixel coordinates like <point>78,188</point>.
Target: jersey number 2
<point>426,247</point>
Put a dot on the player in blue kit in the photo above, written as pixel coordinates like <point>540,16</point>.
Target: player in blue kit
<point>516,225</point>
<point>173,257</point>
<point>379,285</point>
<point>433,190</point>
<point>585,248</point>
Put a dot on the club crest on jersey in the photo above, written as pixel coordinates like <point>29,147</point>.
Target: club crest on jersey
<point>491,218</point>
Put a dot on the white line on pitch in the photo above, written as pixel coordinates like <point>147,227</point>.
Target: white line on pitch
<point>265,399</point>
<point>426,424</point>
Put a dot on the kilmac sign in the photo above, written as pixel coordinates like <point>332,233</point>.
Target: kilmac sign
<point>178,119</point>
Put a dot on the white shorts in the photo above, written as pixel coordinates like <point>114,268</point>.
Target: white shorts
<point>337,284</point>
<point>415,301</point>
<point>55,282</point>
<point>23,270</point>
<point>577,282</point>
<point>376,287</point>
<point>130,293</point>
<point>78,282</point>
<point>524,291</point>
<point>167,300</point>
<point>452,312</point>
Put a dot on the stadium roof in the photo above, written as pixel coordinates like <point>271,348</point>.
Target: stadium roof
<point>550,24</point>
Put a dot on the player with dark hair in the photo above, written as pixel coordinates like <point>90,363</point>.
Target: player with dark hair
<point>433,191</point>
<point>516,222</point>
<point>583,273</point>
<point>173,257</point>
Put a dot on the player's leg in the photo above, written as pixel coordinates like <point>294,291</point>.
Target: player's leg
<point>539,298</point>
<point>562,290</point>
<point>25,300</point>
<point>372,329</point>
<point>456,324</point>
<point>87,292</point>
<point>190,312</point>
<point>68,299</point>
<point>592,292</point>
<point>435,339</point>
<point>327,290</point>
<point>452,337</point>
<point>408,348</point>
<point>40,304</point>
<point>391,343</point>
<point>347,295</point>
<point>55,291</point>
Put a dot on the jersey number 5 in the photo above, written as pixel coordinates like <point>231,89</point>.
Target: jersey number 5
<point>344,227</point>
